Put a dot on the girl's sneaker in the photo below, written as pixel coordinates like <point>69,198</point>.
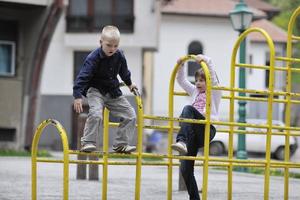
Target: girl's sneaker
<point>180,147</point>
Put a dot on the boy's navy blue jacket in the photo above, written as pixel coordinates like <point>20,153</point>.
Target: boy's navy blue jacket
<point>100,71</point>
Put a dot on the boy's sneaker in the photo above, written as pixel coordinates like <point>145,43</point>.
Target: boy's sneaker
<point>180,147</point>
<point>124,148</point>
<point>88,148</point>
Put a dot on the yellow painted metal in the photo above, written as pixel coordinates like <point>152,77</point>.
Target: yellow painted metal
<point>105,153</point>
<point>287,58</point>
<point>170,160</point>
<point>270,93</point>
<point>172,119</point>
<point>289,52</point>
<point>261,99</point>
<point>34,150</point>
<point>140,125</point>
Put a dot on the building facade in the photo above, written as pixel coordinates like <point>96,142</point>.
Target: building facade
<point>76,35</point>
<point>199,26</point>
<point>26,29</point>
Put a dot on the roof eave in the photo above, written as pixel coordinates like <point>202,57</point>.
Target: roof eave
<point>256,17</point>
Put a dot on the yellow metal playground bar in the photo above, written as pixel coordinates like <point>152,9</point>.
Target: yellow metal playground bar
<point>206,160</point>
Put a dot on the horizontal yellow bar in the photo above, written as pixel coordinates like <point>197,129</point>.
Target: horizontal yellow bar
<point>180,93</point>
<point>176,128</point>
<point>255,125</point>
<point>163,118</point>
<point>264,67</point>
<point>216,162</point>
<point>295,37</point>
<point>256,132</point>
<point>260,99</point>
<point>221,123</point>
<point>251,91</point>
<point>266,92</point>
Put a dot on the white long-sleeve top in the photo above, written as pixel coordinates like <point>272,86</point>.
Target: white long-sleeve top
<point>194,92</point>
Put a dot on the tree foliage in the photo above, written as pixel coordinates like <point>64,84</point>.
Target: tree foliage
<point>287,8</point>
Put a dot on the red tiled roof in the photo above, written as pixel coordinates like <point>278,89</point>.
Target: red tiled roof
<point>218,8</point>
<point>277,34</point>
<point>261,5</point>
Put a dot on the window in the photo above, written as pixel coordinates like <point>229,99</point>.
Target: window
<point>7,58</point>
<point>195,48</point>
<point>93,15</point>
<point>267,75</point>
<point>7,134</point>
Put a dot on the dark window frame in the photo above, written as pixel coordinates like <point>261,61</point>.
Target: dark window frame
<point>12,68</point>
<point>195,47</point>
<point>88,23</point>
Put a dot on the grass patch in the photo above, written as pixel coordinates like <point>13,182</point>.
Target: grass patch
<point>153,159</point>
<point>261,171</point>
<point>23,153</point>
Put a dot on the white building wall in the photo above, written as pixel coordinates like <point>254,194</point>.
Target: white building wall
<point>259,52</point>
<point>57,77</point>
<point>147,18</point>
<point>217,38</point>
<point>256,78</point>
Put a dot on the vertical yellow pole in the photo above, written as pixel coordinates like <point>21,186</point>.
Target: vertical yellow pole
<point>231,119</point>
<point>105,153</point>
<point>34,147</point>
<point>269,118</point>
<point>170,131</point>
<point>140,126</point>
<point>66,160</point>
<point>207,130</point>
<point>289,51</point>
<point>171,124</point>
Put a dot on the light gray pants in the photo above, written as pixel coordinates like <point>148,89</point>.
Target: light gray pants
<point>118,107</point>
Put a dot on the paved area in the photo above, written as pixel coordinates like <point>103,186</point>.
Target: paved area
<point>15,184</point>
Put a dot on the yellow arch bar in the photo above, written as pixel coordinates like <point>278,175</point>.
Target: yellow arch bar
<point>34,149</point>
<point>270,105</point>
<point>207,124</point>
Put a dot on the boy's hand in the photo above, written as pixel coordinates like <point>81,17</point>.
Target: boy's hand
<point>132,87</point>
<point>78,105</point>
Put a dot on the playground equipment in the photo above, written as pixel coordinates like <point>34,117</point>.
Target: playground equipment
<point>229,162</point>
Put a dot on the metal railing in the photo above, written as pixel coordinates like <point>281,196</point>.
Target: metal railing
<point>206,160</point>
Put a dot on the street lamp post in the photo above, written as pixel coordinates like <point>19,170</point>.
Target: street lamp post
<point>241,18</point>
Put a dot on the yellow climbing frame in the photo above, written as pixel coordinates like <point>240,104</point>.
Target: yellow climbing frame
<point>205,160</point>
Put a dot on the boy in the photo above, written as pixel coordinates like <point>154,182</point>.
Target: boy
<point>191,136</point>
<point>97,80</point>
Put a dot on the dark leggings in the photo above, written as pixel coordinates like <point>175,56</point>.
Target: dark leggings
<point>193,136</point>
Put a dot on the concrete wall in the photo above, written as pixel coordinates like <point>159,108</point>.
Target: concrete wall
<point>29,19</point>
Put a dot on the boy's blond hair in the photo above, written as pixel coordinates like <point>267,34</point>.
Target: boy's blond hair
<point>110,33</point>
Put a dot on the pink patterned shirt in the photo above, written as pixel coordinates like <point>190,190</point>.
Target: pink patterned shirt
<point>199,99</point>
<point>200,102</point>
